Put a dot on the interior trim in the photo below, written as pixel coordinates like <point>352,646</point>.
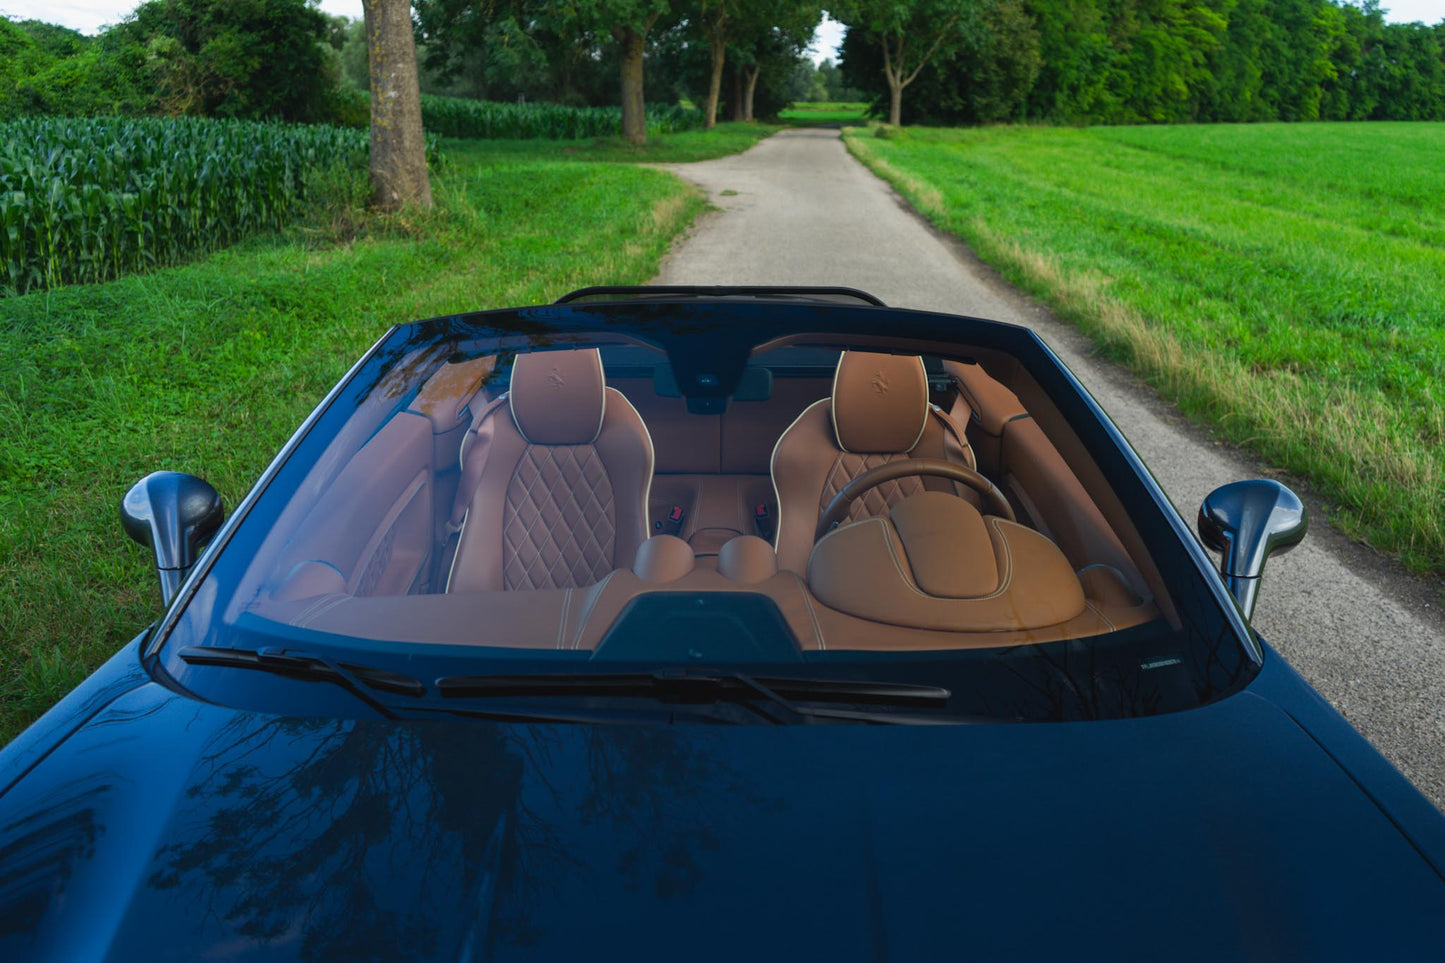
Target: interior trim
<point>773,466</point>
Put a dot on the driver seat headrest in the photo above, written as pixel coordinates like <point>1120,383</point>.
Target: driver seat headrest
<point>879,402</point>
<point>558,397</point>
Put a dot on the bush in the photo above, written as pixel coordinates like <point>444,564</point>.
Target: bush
<point>254,59</point>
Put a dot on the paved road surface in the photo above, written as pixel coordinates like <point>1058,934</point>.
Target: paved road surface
<point>805,212</point>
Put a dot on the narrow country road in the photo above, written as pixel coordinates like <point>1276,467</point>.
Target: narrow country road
<point>797,209</point>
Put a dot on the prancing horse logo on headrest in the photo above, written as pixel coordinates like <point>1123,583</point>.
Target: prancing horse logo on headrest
<point>880,383</point>
<point>556,380</point>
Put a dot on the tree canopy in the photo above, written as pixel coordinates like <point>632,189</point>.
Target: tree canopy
<point>935,61</point>
<point>216,58</point>
<point>1154,61</point>
<point>908,35</point>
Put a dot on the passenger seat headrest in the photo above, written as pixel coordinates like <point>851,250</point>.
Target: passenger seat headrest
<point>558,397</point>
<point>880,402</point>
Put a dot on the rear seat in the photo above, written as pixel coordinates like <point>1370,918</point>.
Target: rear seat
<point>714,468</point>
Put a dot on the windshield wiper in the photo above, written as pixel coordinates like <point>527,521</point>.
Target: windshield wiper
<point>690,685</point>
<point>354,678</point>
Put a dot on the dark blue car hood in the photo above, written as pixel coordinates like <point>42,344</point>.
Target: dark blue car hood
<point>170,829</point>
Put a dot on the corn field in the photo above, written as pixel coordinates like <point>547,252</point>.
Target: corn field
<point>87,200</point>
<point>492,120</point>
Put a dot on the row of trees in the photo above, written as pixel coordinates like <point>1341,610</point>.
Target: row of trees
<point>224,57</point>
<point>1099,61</point>
<point>1142,61</point>
<point>712,51</point>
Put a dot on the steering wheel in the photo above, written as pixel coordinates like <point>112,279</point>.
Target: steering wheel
<point>837,509</point>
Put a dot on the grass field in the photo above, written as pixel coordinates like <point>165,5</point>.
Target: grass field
<point>820,113</point>
<point>208,368</point>
<point>1284,283</point>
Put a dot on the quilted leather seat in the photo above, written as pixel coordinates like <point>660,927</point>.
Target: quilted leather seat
<point>878,412</point>
<point>555,480</point>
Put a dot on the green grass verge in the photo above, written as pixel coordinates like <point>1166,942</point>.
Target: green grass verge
<point>816,114</point>
<point>1284,283</point>
<point>207,368</point>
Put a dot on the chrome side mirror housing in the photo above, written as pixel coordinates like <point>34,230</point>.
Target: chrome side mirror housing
<point>1247,522</point>
<point>174,515</point>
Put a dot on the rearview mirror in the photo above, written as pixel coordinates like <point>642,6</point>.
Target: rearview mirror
<point>1247,522</point>
<point>174,515</point>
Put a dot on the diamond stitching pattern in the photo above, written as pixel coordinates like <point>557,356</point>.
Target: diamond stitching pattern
<point>873,503</point>
<point>558,526</point>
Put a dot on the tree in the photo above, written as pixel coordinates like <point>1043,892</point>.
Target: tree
<point>629,22</point>
<point>998,61</point>
<point>985,77</point>
<point>631,40</point>
<point>1236,91</point>
<point>909,33</point>
<point>772,35</point>
<point>718,19</point>
<point>1074,53</point>
<point>1411,73</point>
<point>234,58</point>
<point>19,58</point>
<point>453,34</point>
<point>833,87</point>
<point>398,149</point>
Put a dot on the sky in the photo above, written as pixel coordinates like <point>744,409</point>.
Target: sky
<point>88,16</point>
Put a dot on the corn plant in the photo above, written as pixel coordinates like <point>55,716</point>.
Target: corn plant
<point>492,120</point>
<point>87,200</point>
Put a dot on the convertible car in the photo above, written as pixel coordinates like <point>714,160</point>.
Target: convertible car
<point>708,624</point>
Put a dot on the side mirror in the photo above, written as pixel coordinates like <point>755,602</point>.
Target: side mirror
<point>173,514</point>
<point>1247,522</point>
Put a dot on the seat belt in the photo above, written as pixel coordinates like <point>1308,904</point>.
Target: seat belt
<point>672,524</point>
<point>763,522</point>
<point>471,470</point>
<point>953,428</point>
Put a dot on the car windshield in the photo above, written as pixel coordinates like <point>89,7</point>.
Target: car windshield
<point>760,488</point>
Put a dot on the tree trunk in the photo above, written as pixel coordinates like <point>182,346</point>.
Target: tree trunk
<point>634,112</point>
<point>714,87</point>
<point>893,70</point>
<point>752,88</point>
<point>735,99</point>
<point>398,149</point>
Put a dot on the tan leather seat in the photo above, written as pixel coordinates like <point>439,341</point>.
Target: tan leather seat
<point>878,412</point>
<point>555,480</point>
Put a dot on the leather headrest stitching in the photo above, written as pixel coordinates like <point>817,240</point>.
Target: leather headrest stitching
<point>880,402</point>
<point>558,397</point>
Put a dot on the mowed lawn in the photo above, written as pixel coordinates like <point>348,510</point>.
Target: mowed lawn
<point>209,367</point>
<point>1285,283</point>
